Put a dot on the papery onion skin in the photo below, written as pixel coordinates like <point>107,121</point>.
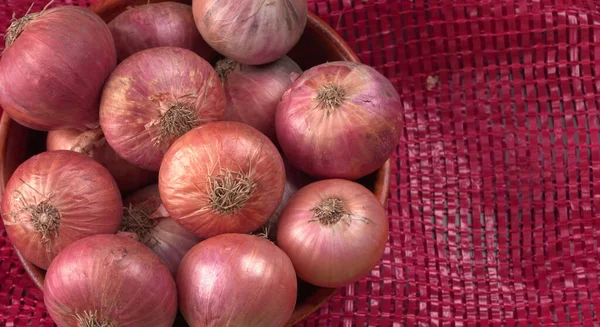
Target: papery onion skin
<point>169,240</point>
<point>210,154</point>
<point>253,92</point>
<point>83,193</point>
<point>348,134</point>
<point>115,278</point>
<point>52,75</point>
<point>157,25</point>
<point>128,176</point>
<point>141,91</point>
<point>236,280</point>
<point>251,32</point>
<point>339,253</point>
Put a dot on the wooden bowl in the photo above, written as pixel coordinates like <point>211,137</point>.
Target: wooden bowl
<point>319,44</point>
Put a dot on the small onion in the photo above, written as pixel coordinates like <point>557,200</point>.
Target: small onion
<point>157,25</point>
<point>222,177</point>
<point>56,198</point>
<point>339,120</point>
<point>236,280</point>
<point>146,217</point>
<point>155,96</point>
<point>128,176</point>
<point>334,231</point>
<point>252,32</point>
<point>109,280</point>
<point>54,66</point>
<point>253,92</point>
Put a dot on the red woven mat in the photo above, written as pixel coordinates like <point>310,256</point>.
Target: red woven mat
<point>493,202</point>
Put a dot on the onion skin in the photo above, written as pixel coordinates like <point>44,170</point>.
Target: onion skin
<point>119,279</point>
<point>253,92</point>
<point>52,75</point>
<point>169,240</point>
<point>157,25</point>
<point>142,90</point>
<point>340,253</point>
<point>349,140</point>
<point>192,164</point>
<point>128,176</point>
<point>236,280</point>
<point>251,32</point>
<point>80,189</point>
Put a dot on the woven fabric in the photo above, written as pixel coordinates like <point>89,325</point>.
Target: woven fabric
<point>493,200</point>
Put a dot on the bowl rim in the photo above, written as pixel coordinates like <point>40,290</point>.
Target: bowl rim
<point>382,178</point>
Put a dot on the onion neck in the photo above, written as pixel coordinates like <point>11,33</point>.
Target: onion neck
<point>88,141</point>
<point>229,191</point>
<point>90,319</point>
<point>330,96</point>
<point>45,219</point>
<point>330,211</point>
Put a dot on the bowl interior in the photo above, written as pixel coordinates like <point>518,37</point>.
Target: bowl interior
<point>318,44</point>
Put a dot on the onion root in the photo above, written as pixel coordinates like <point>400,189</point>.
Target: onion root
<point>17,25</point>
<point>330,96</point>
<point>228,191</point>
<point>175,122</point>
<point>330,211</point>
<point>136,219</point>
<point>90,319</point>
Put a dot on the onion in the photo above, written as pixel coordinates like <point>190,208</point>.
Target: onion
<point>334,231</point>
<point>128,176</point>
<point>236,280</point>
<point>146,217</point>
<point>109,280</point>
<point>154,97</point>
<point>339,119</point>
<point>56,198</point>
<point>222,177</point>
<point>54,66</point>
<point>157,25</point>
<point>252,32</point>
<point>253,92</point>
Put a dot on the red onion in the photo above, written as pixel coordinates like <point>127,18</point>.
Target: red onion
<point>222,177</point>
<point>128,176</point>
<point>146,217</point>
<point>339,119</point>
<point>157,25</point>
<point>154,97</point>
<point>109,280</point>
<point>54,66</point>
<point>334,231</point>
<point>236,280</point>
<point>252,32</point>
<point>253,92</point>
<point>56,198</point>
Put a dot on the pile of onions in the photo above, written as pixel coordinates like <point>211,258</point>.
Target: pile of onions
<point>128,176</point>
<point>53,68</point>
<point>155,96</point>
<point>146,217</point>
<point>339,120</point>
<point>253,92</point>
<point>109,280</point>
<point>157,25</point>
<point>56,198</point>
<point>222,177</point>
<point>236,280</point>
<point>251,32</point>
<point>334,231</point>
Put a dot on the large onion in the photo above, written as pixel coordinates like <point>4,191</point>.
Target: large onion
<point>222,177</point>
<point>54,66</point>
<point>236,280</point>
<point>146,217</point>
<point>109,280</point>
<point>253,92</point>
<point>252,32</point>
<point>334,231</point>
<point>128,176</point>
<point>154,97</point>
<point>339,119</point>
<point>157,25</point>
<point>56,198</point>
